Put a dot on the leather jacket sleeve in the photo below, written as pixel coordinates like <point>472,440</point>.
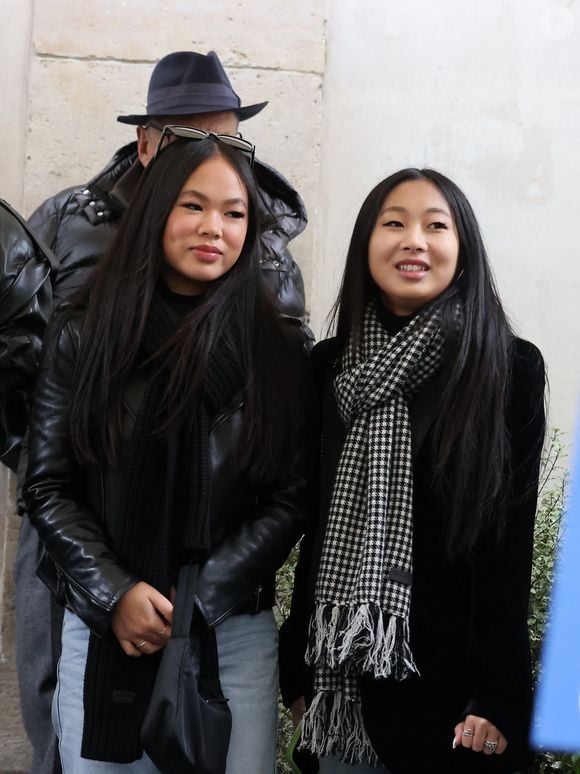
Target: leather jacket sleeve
<point>249,557</point>
<point>25,290</point>
<point>89,572</point>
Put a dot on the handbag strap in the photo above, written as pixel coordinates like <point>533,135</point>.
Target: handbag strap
<point>181,627</point>
<point>184,600</point>
<point>209,668</point>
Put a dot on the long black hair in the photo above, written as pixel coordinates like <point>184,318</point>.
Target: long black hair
<point>235,310</point>
<point>471,447</point>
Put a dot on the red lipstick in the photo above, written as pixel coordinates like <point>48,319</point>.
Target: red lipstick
<point>210,249</point>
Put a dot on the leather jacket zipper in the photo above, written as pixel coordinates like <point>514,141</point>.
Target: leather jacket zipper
<point>257,592</point>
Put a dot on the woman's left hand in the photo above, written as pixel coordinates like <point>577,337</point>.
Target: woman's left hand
<point>479,735</point>
<point>141,621</point>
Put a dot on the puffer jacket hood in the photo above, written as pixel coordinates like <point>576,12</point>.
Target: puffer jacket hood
<point>79,224</point>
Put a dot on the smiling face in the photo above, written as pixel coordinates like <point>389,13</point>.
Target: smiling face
<point>414,247</point>
<point>206,229</point>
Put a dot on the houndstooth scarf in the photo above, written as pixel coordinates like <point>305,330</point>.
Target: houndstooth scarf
<point>363,589</point>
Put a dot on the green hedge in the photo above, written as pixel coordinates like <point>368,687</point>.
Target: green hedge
<point>284,581</point>
<point>547,534</point>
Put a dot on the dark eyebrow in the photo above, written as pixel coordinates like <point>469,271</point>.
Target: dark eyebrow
<point>204,198</point>
<point>430,210</point>
<point>439,210</point>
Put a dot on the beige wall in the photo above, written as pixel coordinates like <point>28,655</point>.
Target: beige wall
<point>15,31</point>
<point>487,93</point>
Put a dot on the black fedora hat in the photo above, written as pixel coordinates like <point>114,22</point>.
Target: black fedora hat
<point>186,83</point>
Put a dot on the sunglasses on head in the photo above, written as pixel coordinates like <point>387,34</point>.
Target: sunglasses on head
<point>171,131</point>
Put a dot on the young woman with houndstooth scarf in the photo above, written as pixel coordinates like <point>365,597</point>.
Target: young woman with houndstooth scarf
<point>411,594</point>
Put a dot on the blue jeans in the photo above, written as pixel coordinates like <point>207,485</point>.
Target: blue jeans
<point>248,656</point>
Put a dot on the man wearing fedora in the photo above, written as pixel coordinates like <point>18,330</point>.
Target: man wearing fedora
<point>192,90</point>
<point>78,223</point>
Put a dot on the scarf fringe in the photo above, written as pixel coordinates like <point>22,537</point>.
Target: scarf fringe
<point>333,725</point>
<point>363,638</point>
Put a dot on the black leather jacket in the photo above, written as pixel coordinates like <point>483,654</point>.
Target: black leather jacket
<point>78,224</point>
<point>25,308</point>
<point>252,531</point>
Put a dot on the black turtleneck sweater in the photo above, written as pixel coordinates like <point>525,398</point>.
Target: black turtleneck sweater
<point>393,323</point>
<point>183,304</point>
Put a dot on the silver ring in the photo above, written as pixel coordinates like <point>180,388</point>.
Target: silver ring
<point>139,645</point>
<point>489,745</point>
<point>467,732</point>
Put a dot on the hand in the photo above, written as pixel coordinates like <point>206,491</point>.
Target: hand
<point>297,708</point>
<point>142,618</point>
<point>483,731</point>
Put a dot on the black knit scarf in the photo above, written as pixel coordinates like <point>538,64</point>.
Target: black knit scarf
<point>162,523</point>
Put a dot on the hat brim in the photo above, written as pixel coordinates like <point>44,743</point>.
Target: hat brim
<point>243,113</point>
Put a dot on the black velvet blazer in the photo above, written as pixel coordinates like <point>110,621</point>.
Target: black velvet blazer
<point>468,618</point>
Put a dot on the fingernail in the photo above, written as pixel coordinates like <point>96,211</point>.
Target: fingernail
<point>454,743</point>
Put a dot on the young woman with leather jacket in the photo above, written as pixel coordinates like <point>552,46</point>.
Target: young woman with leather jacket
<point>416,579</point>
<point>167,426</point>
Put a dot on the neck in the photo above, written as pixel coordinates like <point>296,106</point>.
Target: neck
<point>391,321</point>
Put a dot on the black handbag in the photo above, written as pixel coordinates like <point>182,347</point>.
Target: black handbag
<point>188,722</point>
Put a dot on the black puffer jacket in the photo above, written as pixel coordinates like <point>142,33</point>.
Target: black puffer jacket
<point>78,225</point>
<point>252,531</point>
